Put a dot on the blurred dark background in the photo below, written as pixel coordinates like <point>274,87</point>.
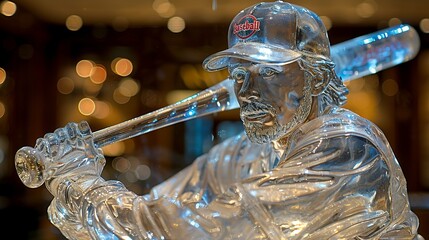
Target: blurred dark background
<point>107,61</point>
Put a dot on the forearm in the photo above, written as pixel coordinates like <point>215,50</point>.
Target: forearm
<point>65,209</point>
<point>91,208</point>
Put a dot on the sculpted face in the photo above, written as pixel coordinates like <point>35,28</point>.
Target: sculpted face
<point>273,99</point>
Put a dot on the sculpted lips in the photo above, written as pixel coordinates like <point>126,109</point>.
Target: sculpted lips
<point>256,112</point>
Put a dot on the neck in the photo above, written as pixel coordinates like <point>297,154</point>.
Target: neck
<point>282,144</point>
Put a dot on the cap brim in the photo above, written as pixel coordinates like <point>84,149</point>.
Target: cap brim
<point>253,52</point>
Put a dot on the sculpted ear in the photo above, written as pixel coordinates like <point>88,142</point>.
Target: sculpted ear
<point>319,84</point>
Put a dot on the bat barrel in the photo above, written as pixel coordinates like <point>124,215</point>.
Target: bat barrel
<point>371,53</point>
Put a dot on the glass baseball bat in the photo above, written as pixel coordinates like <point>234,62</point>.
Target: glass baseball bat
<point>355,58</point>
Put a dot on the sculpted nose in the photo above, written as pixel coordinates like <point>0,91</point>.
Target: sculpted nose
<point>248,91</point>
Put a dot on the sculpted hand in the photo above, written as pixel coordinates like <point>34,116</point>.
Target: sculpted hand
<point>69,153</point>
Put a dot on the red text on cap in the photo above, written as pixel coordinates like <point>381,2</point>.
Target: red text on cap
<point>246,26</point>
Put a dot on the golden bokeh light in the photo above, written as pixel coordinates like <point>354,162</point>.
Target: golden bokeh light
<point>84,68</point>
<point>2,109</point>
<point>424,25</point>
<point>114,149</point>
<point>120,98</point>
<point>86,106</point>
<point>2,75</point>
<point>98,74</point>
<point>366,9</point>
<point>102,110</point>
<point>8,8</point>
<point>164,8</point>
<point>176,24</point>
<point>65,85</point>
<point>122,66</point>
<point>74,22</point>
<point>394,21</point>
<point>128,87</point>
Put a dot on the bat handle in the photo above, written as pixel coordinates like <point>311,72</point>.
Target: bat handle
<point>30,166</point>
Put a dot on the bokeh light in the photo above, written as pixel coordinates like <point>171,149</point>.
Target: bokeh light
<point>74,22</point>
<point>164,8</point>
<point>8,8</point>
<point>394,21</point>
<point>86,106</point>
<point>130,177</point>
<point>176,24</point>
<point>366,9</point>
<point>119,97</point>
<point>121,164</point>
<point>2,75</point>
<point>102,110</point>
<point>142,172</point>
<point>122,66</point>
<point>98,74</point>
<point>2,109</point>
<point>114,149</point>
<point>84,68</point>
<point>424,25</point>
<point>128,87</point>
<point>65,85</point>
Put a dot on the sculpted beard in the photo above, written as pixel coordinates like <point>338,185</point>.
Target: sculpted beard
<point>257,132</point>
<point>260,133</point>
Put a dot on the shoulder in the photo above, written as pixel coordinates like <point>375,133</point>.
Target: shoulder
<point>341,142</point>
<point>340,120</point>
<point>341,132</point>
<point>339,123</point>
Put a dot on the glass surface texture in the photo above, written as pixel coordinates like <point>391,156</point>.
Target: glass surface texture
<point>304,168</point>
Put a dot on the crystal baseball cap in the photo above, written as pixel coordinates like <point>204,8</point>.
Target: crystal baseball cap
<point>272,33</point>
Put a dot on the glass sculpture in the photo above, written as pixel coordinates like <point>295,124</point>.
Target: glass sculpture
<point>305,168</point>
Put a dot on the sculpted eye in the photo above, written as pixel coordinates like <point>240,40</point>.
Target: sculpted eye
<point>267,72</point>
<point>239,74</point>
